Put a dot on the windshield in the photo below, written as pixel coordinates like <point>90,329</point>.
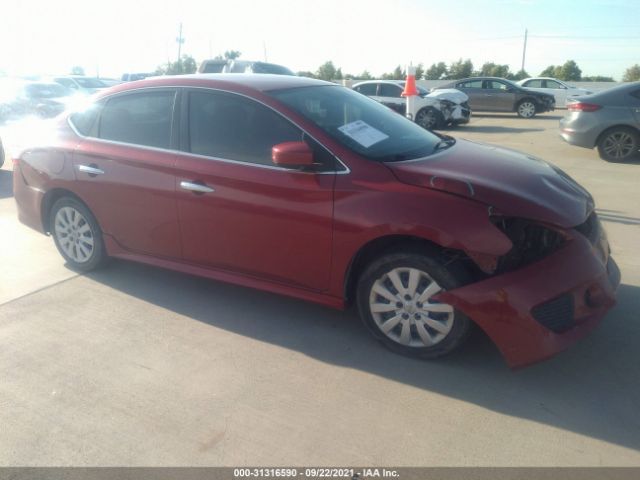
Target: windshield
<point>359,123</point>
<point>89,82</point>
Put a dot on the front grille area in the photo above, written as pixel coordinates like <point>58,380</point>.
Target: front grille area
<point>556,314</point>
<point>590,228</point>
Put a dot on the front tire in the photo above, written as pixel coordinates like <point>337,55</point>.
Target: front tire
<point>429,118</point>
<point>77,234</point>
<point>395,302</point>
<point>618,144</point>
<point>526,108</point>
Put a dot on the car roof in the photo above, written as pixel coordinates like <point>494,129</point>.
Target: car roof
<point>263,82</point>
<point>392,82</point>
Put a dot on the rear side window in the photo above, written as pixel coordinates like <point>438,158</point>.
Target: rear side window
<point>368,89</point>
<point>534,84</point>
<point>86,121</point>
<point>142,118</point>
<point>471,84</point>
<point>232,127</point>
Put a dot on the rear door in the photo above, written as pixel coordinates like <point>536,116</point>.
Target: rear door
<point>238,211</point>
<point>124,170</point>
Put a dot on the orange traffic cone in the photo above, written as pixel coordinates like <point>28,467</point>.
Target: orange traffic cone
<point>410,89</point>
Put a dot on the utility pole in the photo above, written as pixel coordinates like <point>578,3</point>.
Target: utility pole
<point>180,41</point>
<point>524,50</point>
<point>264,46</point>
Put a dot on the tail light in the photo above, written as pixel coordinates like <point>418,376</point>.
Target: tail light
<point>583,107</point>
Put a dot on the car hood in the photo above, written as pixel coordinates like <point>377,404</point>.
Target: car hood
<point>513,183</point>
<point>537,93</point>
<point>451,94</point>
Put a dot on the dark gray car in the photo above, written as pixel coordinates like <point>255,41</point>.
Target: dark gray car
<point>609,120</point>
<point>491,94</point>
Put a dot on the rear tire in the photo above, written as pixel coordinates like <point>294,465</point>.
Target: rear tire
<point>618,144</point>
<point>395,303</point>
<point>77,234</point>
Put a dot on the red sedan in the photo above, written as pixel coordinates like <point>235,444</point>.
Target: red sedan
<point>308,189</point>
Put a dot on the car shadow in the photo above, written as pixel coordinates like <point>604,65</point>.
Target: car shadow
<point>497,129</point>
<point>6,183</point>
<point>615,216</point>
<point>540,116</point>
<point>592,389</point>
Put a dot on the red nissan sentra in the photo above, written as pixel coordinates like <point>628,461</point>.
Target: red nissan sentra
<point>308,189</point>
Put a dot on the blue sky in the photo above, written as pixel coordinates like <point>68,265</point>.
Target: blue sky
<point>113,37</point>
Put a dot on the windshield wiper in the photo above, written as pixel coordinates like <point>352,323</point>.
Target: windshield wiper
<point>444,143</point>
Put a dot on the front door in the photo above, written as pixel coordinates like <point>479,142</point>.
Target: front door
<point>238,211</point>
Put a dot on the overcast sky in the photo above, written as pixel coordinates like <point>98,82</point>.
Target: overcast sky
<point>117,36</point>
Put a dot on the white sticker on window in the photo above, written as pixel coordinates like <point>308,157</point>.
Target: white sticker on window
<point>363,133</point>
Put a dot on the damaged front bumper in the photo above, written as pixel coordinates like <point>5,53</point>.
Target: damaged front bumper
<point>539,310</point>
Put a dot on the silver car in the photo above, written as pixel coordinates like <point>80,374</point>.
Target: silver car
<point>609,120</point>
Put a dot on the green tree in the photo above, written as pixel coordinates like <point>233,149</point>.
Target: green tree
<point>365,76</point>
<point>521,75</point>
<point>632,74</point>
<point>460,69</point>
<point>77,70</point>
<point>436,71</point>
<point>490,69</point>
<point>397,74</point>
<point>232,54</point>
<point>419,71</point>
<point>570,71</point>
<point>550,71</point>
<point>186,64</point>
<point>339,75</point>
<point>326,71</point>
<point>306,74</point>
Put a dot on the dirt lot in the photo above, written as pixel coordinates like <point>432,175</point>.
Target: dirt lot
<point>137,366</point>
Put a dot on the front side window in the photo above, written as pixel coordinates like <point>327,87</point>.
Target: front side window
<point>389,90</point>
<point>141,118</point>
<point>360,123</point>
<point>554,84</point>
<point>232,127</point>
<point>495,85</point>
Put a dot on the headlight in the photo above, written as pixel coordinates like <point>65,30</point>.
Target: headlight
<point>531,242</point>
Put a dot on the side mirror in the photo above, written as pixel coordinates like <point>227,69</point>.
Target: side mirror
<point>292,155</point>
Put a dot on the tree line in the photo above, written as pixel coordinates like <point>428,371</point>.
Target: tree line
<point>569,71</point>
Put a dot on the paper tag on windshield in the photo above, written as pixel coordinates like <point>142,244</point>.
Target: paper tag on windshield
<point>363,133</point>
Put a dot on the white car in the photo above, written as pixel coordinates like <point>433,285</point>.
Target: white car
<point>80,83</point>
<point>434,110</point>
<point>560,90</point>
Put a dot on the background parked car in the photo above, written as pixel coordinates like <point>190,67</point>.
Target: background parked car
<point>242,66</point>
<point>435,110</point>
<point>81,83</point>
<point>131,77</point>
<point>491,94</point>
<point>560,90</point>
<point>609,120</point>
<point>44,99</point>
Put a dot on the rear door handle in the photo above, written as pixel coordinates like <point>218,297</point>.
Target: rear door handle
<point>195,187</point>
<point>92,169</point>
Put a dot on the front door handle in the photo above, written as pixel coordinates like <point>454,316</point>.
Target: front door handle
<point>195,187</point>
<point>92,169</point>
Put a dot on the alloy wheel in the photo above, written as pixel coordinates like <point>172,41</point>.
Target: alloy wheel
<point>527,109</point>
<point>74,234</point>
<point>618,145</point>
<point>402,306</point>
